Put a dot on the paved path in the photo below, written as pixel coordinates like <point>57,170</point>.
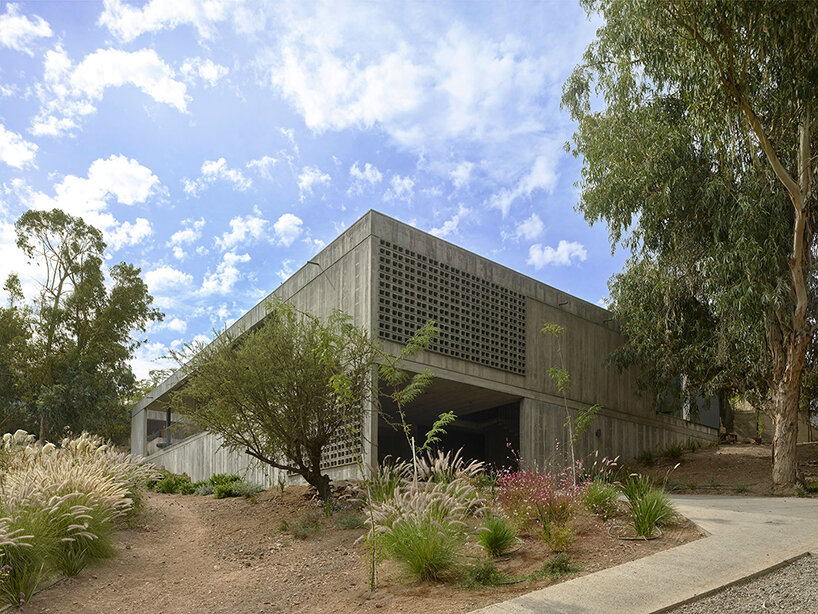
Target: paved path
<point>747,535</point>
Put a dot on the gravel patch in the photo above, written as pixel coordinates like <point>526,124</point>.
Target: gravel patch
<point>792,589</point>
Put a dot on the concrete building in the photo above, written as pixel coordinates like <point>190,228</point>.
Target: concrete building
<point>490,360</point>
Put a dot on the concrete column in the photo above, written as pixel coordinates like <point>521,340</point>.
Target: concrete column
<point>139,432</point>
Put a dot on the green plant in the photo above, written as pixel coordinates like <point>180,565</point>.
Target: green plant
<point>691,445</point>
<point>650,509</point>
<point>636,486</point>
<point>557,567</point>
<point>740,488</point>
<point>812,486</point>
<point>301,528</point>
<point>602,499</point>
<point>646,458</point>
<point>223,478</point>
<point>497,536</point>
<point>282,482</point>
<point>484,574</point>
<point>348,520</point>
<point>425,548</point>
<point>235,489</point>
<point>714,483</point>
<point>558,537</point>
<point>384,482</point>
<point>799,490</point>
<point>173,483</point>
<point>202,488</point>
<point>673,452</point>
<point>691,485</point>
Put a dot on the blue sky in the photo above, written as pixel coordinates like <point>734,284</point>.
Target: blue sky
<point>219,144</point>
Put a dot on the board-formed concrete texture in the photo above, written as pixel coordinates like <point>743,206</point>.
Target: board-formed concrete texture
<point>490,360</point>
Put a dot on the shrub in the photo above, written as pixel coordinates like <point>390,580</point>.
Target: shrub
<point>223,478</point>
<point>424,546</point>
<point>741,488</point>
<point>173,483</point>
<point>674,452</point>
<point>646,458</point>
<point>651,509</point>
<point>521,494</point>
<point>302,528</point>
<point>485,574</point>
<point>558,537</point>
<point>498,536</point>
<point>202,488</point>
<point>636,486</point>
<point>601,499</point>
<point>800,490</point>
<point>558,567</point>
<point>348,520</point>
<point>238,488</point>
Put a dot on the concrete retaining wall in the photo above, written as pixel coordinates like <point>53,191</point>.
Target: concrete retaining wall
<point>200,456</point>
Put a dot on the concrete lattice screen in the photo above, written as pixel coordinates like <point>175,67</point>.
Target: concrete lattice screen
<point>479,321</point>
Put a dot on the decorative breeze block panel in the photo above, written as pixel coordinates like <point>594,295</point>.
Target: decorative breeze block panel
<point>479,321</point>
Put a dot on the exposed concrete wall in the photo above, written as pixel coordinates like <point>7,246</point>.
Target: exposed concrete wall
<point>139,433</point>
<point>200,456</point>
<point>543,434</point>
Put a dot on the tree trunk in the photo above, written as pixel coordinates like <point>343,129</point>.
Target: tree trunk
<point>322,485</point>
<point>785,437</point>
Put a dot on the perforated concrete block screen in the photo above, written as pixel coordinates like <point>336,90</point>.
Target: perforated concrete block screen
<point>479,321</point>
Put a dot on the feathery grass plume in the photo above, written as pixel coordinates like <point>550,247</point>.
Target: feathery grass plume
<point>58,506</point>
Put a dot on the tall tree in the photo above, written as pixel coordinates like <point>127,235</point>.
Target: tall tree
<point>697,128</point>
<point>73,370</point>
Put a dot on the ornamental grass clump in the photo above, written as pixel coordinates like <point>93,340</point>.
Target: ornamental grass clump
<point>601,499</point>
<point>498,536</point>
<point>424,523</point>
<point>647,506</point>
<point>58,507</point>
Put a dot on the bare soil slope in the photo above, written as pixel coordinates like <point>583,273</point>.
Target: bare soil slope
<point>200,555</point>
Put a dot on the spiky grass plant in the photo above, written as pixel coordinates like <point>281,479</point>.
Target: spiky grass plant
<point>58,506</point>
<point>497,536</point>
<point>601,499</point>
<point>427,548</point>
<point>651,509</point>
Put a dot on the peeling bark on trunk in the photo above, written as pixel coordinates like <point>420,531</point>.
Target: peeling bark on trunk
<point>785,436</point>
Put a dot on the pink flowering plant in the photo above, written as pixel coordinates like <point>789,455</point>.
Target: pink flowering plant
<point>525,494</point>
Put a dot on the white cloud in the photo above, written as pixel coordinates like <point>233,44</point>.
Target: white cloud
<point>18,31</point>
<point>310,176</point>
<point>287,269</point>
<point>166,280</point>
<point>370,173</point>
<point>541,176</point>
<point>129,22</point>
<point>190,232</point>
<point>243,229</point>
<point>214,170</point>
<point>566,252</point>
<point>176,325</point>
<point>263,166</point>
<point>150,356</point>
<point>450,225</point>
<point>14,150</point>
<point>15,261</point>
<point>69,92</point>
<point>530,228</point>
<point>402,188</point>
<point>287,229</point>
<point>226,275</point>
<point>205,69</point>
<point>116,178</point>
<point>461,175</point>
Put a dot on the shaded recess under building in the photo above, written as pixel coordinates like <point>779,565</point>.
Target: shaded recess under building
<point>490,360</point>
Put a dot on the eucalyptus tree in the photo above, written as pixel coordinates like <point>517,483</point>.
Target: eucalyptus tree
<point>696,124</point>
<point>72,368</point>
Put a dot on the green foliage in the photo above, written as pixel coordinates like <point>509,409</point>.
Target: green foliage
<point>425,548</point>
<point>482,575</point>
<point>64,354</point>
<point>497,536</point>
<point>741,488</point>
<point>646,458</point>
<point>673,452</point>
<point>384,482</point>
<point>557,567</point>
<point>303,527</point>
<point>602,499</point>
<point>558,537</point>
<point>696,127</point>
<point>800,490</point>
<point>218,479</point>
<point>346,520</point>
<point>438,429</point>
<point>174,483</point>
<point>648,508</point>
<point>202,488</point>
<point>283,390</point>
<point>636,486</point>
<point>234,488</point>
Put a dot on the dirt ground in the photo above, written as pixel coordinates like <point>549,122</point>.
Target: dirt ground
<point>730,469</point>
<point>193,554</point>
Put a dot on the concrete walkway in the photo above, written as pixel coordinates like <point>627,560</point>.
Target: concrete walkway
<point>747,535</point>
